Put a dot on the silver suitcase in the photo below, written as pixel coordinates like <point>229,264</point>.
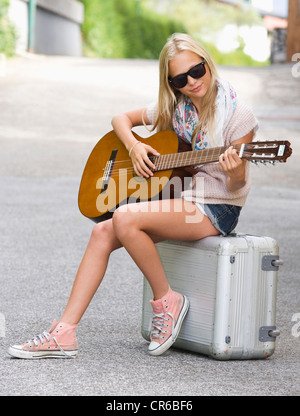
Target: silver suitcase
<point>231,283</point>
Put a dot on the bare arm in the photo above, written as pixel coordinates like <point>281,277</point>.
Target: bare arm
<point>123,124</point>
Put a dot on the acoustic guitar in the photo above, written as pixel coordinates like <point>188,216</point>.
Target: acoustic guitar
<point>109,180</point>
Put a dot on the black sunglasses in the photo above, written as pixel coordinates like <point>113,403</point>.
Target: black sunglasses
<point>198,71</point>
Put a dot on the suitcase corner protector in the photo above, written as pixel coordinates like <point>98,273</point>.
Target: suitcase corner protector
<point>221,351</point>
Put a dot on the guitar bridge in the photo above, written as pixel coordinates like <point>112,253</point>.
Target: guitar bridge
<point>108,170</point>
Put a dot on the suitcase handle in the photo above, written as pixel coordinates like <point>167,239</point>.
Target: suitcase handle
<point>274,333</point>
<point>277,263</point>
<point>271,263</point>
<point>268,333</point>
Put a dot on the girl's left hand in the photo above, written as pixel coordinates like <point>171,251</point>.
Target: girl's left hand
<point>234,167</point>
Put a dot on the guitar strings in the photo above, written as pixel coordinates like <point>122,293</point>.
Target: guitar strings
<point>191,153</point>
<point>174,155</point>
<point>166,162</point>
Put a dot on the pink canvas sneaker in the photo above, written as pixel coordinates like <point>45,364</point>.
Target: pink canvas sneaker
<point>168,315</point>
<point>59,342</point>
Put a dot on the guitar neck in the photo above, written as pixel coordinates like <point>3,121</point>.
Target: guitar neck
<point>190,158</point>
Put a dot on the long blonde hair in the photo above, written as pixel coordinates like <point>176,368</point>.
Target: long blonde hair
<point>168,96</point>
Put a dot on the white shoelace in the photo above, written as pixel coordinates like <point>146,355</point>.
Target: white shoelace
<point>46,336</point>
<point>157,324</point>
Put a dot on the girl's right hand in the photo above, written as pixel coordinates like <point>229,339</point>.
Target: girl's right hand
<point>141,163</point>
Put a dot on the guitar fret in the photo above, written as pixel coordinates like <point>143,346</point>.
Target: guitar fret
<point>157,163</point>
<point>184,159</point>
<point>163,162</point>
<point>167,161</point>
<point>171,161</point>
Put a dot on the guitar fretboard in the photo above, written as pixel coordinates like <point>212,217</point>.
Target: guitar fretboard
<point>190,158</point>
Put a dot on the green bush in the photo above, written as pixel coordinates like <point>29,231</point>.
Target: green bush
<point>7,31</point>
<point>124,29</point>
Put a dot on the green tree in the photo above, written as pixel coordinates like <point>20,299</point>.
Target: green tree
<point>7,30</point>
<point>125,29</point>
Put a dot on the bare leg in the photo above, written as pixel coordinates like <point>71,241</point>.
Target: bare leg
<point>169,219</point>
<point>91,271</point>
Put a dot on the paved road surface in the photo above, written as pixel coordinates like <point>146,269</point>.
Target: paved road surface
<point>52,112</point>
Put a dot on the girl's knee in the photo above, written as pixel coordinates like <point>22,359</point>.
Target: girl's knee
<point>103,233</point>
<point>98,230</point>
<point>122,221</point>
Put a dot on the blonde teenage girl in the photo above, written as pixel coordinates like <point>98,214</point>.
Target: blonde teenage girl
<point>204,112</point>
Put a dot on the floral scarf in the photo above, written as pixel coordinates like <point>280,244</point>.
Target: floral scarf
<point>185,118</point>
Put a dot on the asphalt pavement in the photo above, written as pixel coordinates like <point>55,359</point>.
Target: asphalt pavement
<point>53,110</point>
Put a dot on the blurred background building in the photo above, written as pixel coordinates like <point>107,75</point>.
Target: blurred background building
<point>54,27</point>
<point>282,21</point>
<point>50,27</point>
<point>270,39</point>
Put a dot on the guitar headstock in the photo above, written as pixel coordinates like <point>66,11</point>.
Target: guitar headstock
<point>267,151</point>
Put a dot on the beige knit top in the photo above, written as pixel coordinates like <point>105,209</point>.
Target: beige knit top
<point>212,188</point>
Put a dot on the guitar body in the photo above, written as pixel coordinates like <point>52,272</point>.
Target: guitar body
<point>109,181</point>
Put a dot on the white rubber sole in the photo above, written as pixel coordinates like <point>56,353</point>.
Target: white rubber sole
<point>161,348</point>
<point>17,352</point>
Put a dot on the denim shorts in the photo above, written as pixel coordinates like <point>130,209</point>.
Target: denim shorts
<point>224,217</point>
